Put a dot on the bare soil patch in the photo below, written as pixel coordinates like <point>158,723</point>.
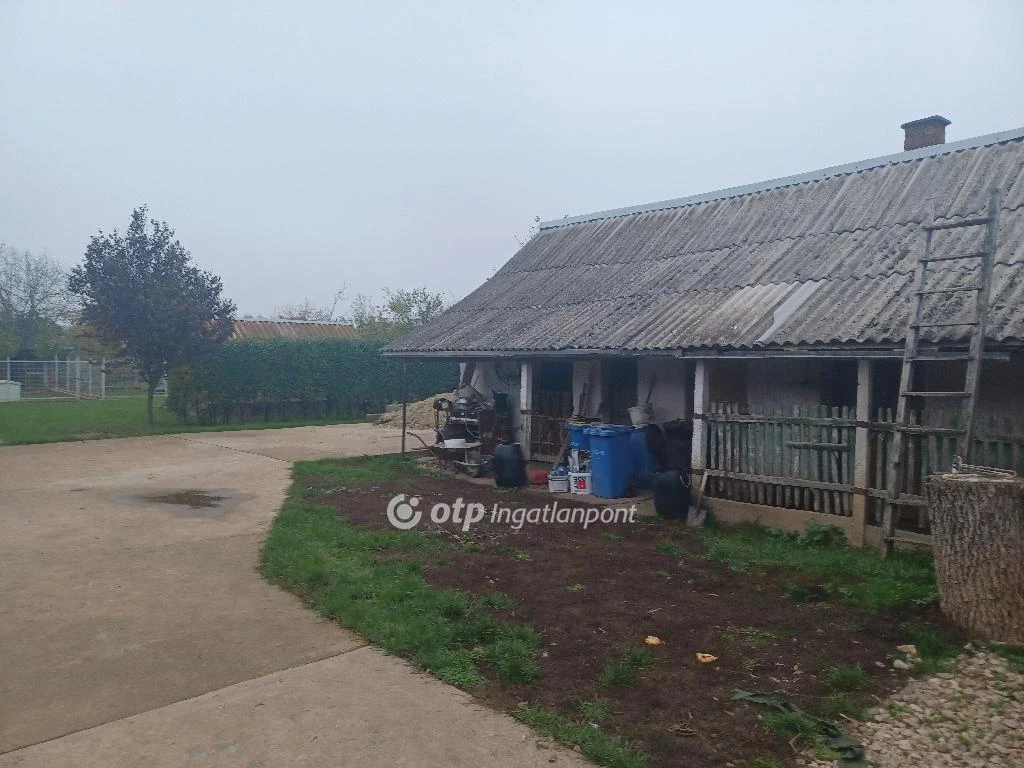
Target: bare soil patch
<point>599,593</point>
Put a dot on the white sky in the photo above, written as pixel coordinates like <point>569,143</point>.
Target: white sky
<point>299,146</point>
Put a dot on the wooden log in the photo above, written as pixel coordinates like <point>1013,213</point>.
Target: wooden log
<point>978,542</point>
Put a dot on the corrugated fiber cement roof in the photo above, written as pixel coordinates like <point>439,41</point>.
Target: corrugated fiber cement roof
<point>821,258</point>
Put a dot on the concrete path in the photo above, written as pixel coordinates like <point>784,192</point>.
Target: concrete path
<point>135,631</point>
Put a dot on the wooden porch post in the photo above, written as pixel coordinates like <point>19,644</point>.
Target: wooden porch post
<point>862,446</point>
<point>701,404</point>
<point>405,397</point>
<point>526,405</point>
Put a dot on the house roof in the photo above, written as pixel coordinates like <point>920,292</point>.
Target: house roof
<point>291,329</point>
<point>822,258</point>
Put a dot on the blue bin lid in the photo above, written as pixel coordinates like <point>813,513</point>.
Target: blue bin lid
<point>607,430</point>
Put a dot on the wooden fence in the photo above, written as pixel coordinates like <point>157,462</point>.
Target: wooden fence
<point>998,442</point>
<point>803,460</point>
<point>806,459</point>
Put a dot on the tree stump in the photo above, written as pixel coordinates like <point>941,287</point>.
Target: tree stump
<point>978,541</point>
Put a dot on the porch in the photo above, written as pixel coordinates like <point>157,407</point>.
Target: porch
<point>777,440</point>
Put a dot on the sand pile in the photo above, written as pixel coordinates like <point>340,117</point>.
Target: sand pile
<point>419,415</point>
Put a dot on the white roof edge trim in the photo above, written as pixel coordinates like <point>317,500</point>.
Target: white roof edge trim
<point>801,178</point>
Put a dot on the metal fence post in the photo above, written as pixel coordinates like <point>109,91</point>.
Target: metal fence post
<point>78,377</point>
<point>103,378</point>
<point>67,374</point>
<point>8,369</point>
<point>89,364</point>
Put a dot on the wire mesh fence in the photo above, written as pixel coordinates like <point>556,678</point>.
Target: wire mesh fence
<point>69,379</point>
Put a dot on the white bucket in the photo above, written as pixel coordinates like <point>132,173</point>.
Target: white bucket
<point>640,415</point>
<point>558,483</point>
<point>579,482</point>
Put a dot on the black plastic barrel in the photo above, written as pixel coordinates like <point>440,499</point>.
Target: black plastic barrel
<point>671,493</point>
<point>509,466</point>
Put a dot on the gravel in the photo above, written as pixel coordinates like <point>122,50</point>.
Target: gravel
<point>970,717</point>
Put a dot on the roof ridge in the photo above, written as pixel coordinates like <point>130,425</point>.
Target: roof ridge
<point>800,178</point>
<point>279,320</point>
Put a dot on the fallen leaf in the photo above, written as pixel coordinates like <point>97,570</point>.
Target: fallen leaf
<point>706,658</point>
<point>652,640</point>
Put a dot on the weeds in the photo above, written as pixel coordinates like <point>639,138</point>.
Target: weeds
<point>494,601</point>
<point>860,577</point>
<point>1014,655</point>
<point>624,670</point>
<point>594,710</point>
<point>848,677</point>
<point>575,588</point>
<point>839,705</point>
<point>668,548</point>
<point>935,648</point>
<point>790,726</point>
<point>754,637</point>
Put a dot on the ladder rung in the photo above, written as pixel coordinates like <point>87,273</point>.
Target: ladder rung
<point>979,255</point>
<point>949,290</point>
<point>935,394</point>
<point>939,358</point>
<point>955,224</point>
<point>942,325</point>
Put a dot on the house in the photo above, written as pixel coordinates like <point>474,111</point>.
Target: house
<point>290,329</point>
<point>774,316</point>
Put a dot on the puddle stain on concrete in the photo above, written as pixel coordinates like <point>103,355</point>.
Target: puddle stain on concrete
<point>193,499</point>
<point>189,502</point>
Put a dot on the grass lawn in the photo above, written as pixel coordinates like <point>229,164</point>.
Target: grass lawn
<point>595,637</point>
<point>51,421</point>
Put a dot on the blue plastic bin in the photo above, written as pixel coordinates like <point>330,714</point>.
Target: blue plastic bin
<point>609,460</point>
<point>578,439</point>
<point>642,462</point>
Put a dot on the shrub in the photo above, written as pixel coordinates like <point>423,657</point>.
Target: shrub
<point>278,379</point>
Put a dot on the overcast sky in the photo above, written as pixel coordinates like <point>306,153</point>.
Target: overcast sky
<point>298,146</point>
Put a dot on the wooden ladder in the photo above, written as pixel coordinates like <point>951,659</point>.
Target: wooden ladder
<point>911,356</point>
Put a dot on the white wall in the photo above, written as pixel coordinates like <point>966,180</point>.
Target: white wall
<point>774,383</point>
<point>588,371</point>
<point>492,376</point>
<point>671,397</point>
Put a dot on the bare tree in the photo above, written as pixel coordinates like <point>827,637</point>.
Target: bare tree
<point>35,303</point>
<point>307,310</point>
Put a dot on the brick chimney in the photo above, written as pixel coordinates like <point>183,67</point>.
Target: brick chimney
<point>926,132</point>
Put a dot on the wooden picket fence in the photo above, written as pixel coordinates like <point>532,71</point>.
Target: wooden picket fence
<point>805,459</point>
<point>998,442</point>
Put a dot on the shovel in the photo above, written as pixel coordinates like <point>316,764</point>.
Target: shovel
<point>695,515</point>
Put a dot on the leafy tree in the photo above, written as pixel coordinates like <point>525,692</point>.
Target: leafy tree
<point>141,292</point>
<point>35,303</point>
<point>401,311</point>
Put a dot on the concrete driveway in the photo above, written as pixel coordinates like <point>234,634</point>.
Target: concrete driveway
<point>135,630</point>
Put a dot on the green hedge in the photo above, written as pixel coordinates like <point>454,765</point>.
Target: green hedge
<point>278,380</point>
